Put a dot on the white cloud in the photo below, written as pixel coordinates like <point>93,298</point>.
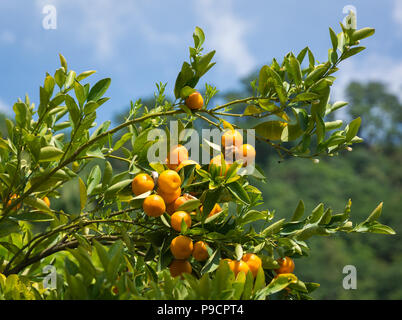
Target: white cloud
<point>227,33</point>
<point>397,12</point>
<point>107,24</point>
<point>371,68</point>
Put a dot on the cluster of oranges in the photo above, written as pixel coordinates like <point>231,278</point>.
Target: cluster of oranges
<point>232,141</point>
<point>250,262</point>
<point>182,249</point>
<point>234,149</point>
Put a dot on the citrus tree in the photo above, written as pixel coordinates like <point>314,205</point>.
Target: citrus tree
<point>175,229</point>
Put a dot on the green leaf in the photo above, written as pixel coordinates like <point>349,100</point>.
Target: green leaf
<point>239,252</point>
<point>79,93</point>
<point>83,193</point>
<point>334,39</point>
<point>362,33</point>
<point>238,192</point>
<point>94,179</point>
<point>271,130</point>
<point>352,52</point>
<point>375,214</point>
<point>199,37</point>
<point>186,91</point>
<point>332,125</point>
<point>50,153</point>
<point>317,213</point>
<point>353,128</point>
<point>301,55</point>
<point>85,74</point>
<point>63,62</point>
<point>98,90</point>
<point>34,216</point>
<point>37,204</point>
<point>212,263</point>
<point>278,284</point>
<point>70,79</point>
<point>90,107</point>
<point>8,226</point>
<point>298,212</point>
<point>259,280</point>
<point>306,96</point>
<point>125,137</point>
<point>60,77</point>
<point>273,228</point>
<point>189,205</point>
<point>295,70</point>
<point>72,109</point>
<point>115,188</point>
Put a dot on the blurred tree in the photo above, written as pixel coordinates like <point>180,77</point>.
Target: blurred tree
<point>381,110</point>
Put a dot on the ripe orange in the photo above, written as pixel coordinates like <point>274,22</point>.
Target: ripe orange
<point>218,162</point>
<point>253,262</point>
<point>200,252</point>
<point>216,209</point>
<point>286,265</point>
<point>195,101</point>
<point>232,138</point>
<point>14,196</point>
<point>178,217</point>
<point>169,181</point>
<point>187,163</point>
<point>142,183</point>
<point>154,206</point>
<point>176,156</point>
<point>47,201</point>
<point>178,267</point>
<point>181,247</point>
<point>169,197</point>
<point>246,152</point>
<point>238,266</point>
<point>180,200</point>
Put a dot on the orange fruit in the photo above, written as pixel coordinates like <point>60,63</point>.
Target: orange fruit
<point>154,206</point>
<point>178,267</point>
<point>180,200</point>
<point>170,208</point>
<point>232,138</point>
<point>218,162</point>
<point>176,156</point>
<point>181,247</point>
<point>216,209</point>
<point>286,265</point>
<point>14,196</point>
<point>169,181</point>
<point>187,163</point>
<point>178,217</point>
<point>47,201</point>
<point>169,197</point>
<point>142,183</point>
<point>253,262</point>
<point>246,152</point>
<point>238,266</point>
<point>195,101</point>
<point>200,252</point>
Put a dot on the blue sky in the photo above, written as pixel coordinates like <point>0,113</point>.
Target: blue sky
<point>138,43</point>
